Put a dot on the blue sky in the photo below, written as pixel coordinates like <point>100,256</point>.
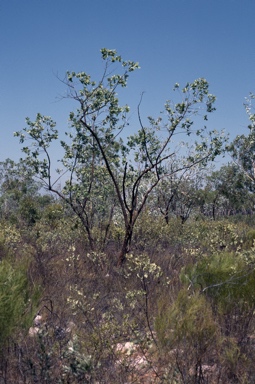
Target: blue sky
<point>173,40</point>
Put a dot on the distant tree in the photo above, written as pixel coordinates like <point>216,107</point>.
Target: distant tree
<point>100,163</point>
<point>242,149</point>
<point>18,190</point>
<point>232,190</point>
<point>17,177</point>
<point>178,195</point>
<point>20,193</point>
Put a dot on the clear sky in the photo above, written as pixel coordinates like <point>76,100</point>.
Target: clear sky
<point>173,40</point>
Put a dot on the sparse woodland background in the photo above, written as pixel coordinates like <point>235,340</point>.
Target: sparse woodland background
<point>140,268</point>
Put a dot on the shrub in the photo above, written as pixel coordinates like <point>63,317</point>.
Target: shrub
<point>16,299</point>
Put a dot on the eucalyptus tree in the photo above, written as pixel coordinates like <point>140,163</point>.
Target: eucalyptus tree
<point>233,191</point>
<point>19,192</point>
<point>17,177</point>
<point>242,149</point>
<point>99,162</point>
<point>179,194</point>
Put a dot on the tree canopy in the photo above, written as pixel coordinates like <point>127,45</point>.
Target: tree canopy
<point>99,161</point>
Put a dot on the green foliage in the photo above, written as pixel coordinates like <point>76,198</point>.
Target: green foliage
<point>53,213</point>
<point>242,149</point>
<point>17,299</point>
<point>19,193</point>
<point>232,190</point>
<point>76,364</point>
<point>10,237</point>
<point>188,320</point>
<point>29,211</point>
<point>143,267</point>
<point>226,278</point>
<point>208,237</point>
<point>249,240</point>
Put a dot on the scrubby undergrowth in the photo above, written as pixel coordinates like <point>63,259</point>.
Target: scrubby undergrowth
<point>180,310</point>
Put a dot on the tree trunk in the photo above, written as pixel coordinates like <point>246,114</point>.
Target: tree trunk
<point>125,245</point>
<point>88,231</point>
<point>166,217</point>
